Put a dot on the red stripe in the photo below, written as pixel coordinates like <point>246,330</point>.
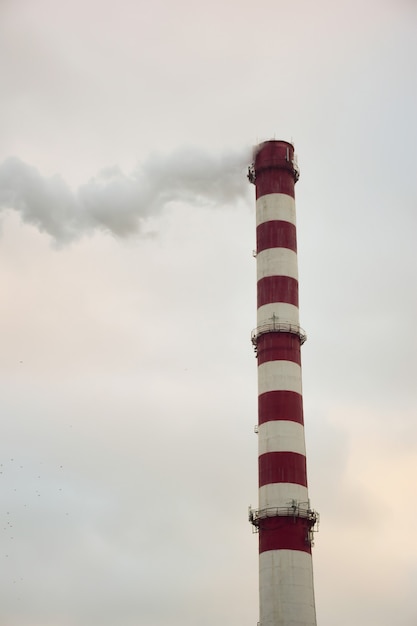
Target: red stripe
<point>284,533</point>
<point>274,168</point>
<point>277,289</point>
<point>276,234</point>
<point>274,181</point>
<point>280,405</point>
<point>274,153</point>
<point>282,467</point>
<point>275,346</point>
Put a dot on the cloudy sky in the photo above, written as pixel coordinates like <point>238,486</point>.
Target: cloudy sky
<point>128,381</point>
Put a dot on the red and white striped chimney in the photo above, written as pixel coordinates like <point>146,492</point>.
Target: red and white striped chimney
<point>284,519</point>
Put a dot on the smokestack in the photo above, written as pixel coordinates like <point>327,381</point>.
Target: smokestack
<point>284,520</point>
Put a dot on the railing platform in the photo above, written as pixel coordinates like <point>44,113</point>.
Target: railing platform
<point>276,326</point>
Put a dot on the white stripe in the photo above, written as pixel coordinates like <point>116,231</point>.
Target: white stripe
<point>286,588</point>
<point>281,436</point>
<point>282,494</point>
<point>275,206</point>
<point>277,262</point>
<point>279,376</point>
<point>282,311</point>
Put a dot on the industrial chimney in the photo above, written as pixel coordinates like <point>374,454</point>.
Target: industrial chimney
<point>284,520</point>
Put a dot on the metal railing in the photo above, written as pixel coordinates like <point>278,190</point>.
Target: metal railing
<point>292,510</point>
<point>276,326</point>
<point>296,510</point>
<point>295,170</point>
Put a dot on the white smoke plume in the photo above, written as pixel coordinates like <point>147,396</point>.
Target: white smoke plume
<point>120,203</point>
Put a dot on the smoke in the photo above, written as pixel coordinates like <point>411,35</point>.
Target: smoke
<point>118,203</point>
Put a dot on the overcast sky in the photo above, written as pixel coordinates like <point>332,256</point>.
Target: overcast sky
<point>128,294</point>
